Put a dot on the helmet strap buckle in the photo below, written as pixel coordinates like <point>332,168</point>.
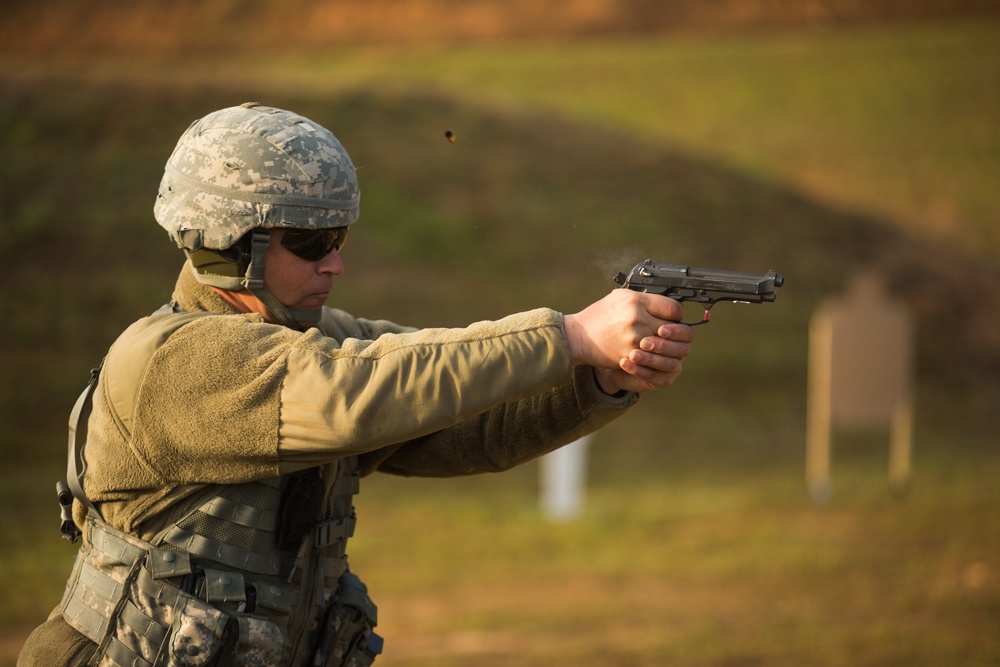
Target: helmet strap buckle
<point>259,240</point>
<point>254,282</point>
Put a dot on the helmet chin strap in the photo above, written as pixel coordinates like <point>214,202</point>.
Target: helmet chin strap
<point>254,283</point>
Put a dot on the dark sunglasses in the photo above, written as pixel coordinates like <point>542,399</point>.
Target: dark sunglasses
<point>313,245</point>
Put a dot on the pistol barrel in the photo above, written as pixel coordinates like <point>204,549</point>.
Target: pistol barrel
<point>685,283</point>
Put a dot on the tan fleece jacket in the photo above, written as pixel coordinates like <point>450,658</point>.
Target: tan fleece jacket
<point>209,396</point>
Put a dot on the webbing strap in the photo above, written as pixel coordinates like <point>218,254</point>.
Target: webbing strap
<point>96,594</point>
<point>334,566</point>
<point>333,531</point>
<point>86,620</point>
<point>214,550</point>
<point>92,608</point>
<point>123,655</point>
<point>89,607</point>
<point>124,551</point>
<point>99,588</point>
<point>116,611</point>
<point>346,484</point>
<point>244,515</point>
<point>143,625</point>
<point>164,594</point>
<point>76,465</point>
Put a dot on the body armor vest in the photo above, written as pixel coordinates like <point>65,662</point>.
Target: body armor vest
<point>254,574</point>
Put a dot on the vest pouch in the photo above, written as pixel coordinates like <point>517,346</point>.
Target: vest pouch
<point>363,650</point>
<point>301,501</point>
<point>198,635</point>
<point>348,638</point>
<point>261,643</point>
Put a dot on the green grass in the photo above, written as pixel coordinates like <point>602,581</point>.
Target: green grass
<point>681,557</point>
<point>899,122</point>
<point>896,121</point>
<point>691,564</point>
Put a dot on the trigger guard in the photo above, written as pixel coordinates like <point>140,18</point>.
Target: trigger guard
<point>705,319</point>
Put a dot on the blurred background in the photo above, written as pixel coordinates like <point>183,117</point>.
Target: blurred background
<point>822,139</point>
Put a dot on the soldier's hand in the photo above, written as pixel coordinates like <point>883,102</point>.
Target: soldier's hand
<point>654,365</point>
<point>634,340</point>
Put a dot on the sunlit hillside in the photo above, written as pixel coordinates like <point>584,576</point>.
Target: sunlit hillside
<point>60,27</point>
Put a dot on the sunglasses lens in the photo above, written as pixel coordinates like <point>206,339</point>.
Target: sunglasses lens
<point>313,244</point>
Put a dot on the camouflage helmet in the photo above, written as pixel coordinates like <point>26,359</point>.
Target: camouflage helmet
<point>239,172</point>
<point>251,167</point>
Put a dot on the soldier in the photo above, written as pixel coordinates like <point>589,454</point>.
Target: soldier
<point>219,445</point>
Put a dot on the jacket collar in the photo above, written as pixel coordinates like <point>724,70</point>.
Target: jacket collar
<point>192,296</point>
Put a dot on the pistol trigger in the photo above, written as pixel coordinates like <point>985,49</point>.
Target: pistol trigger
<point>705,318</point>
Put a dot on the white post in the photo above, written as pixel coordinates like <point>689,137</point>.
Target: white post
<point>818,405</point>
<point>901,446</point>
<point>564,476</point>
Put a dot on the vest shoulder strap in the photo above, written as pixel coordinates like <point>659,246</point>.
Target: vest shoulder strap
<point>76,464</point>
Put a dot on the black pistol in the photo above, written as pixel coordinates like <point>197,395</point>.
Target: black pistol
<point>704,286</point>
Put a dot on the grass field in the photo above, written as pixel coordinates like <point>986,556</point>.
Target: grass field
<point>898,122</point>
<point>698,545</point>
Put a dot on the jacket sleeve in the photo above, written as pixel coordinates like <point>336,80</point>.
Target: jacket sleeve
<point>508,435</point>
<point>400,387</point>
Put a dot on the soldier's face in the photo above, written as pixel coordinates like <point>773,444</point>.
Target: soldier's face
<point>298,283</point>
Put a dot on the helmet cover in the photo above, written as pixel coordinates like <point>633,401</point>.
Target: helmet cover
<point>250,167</point>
